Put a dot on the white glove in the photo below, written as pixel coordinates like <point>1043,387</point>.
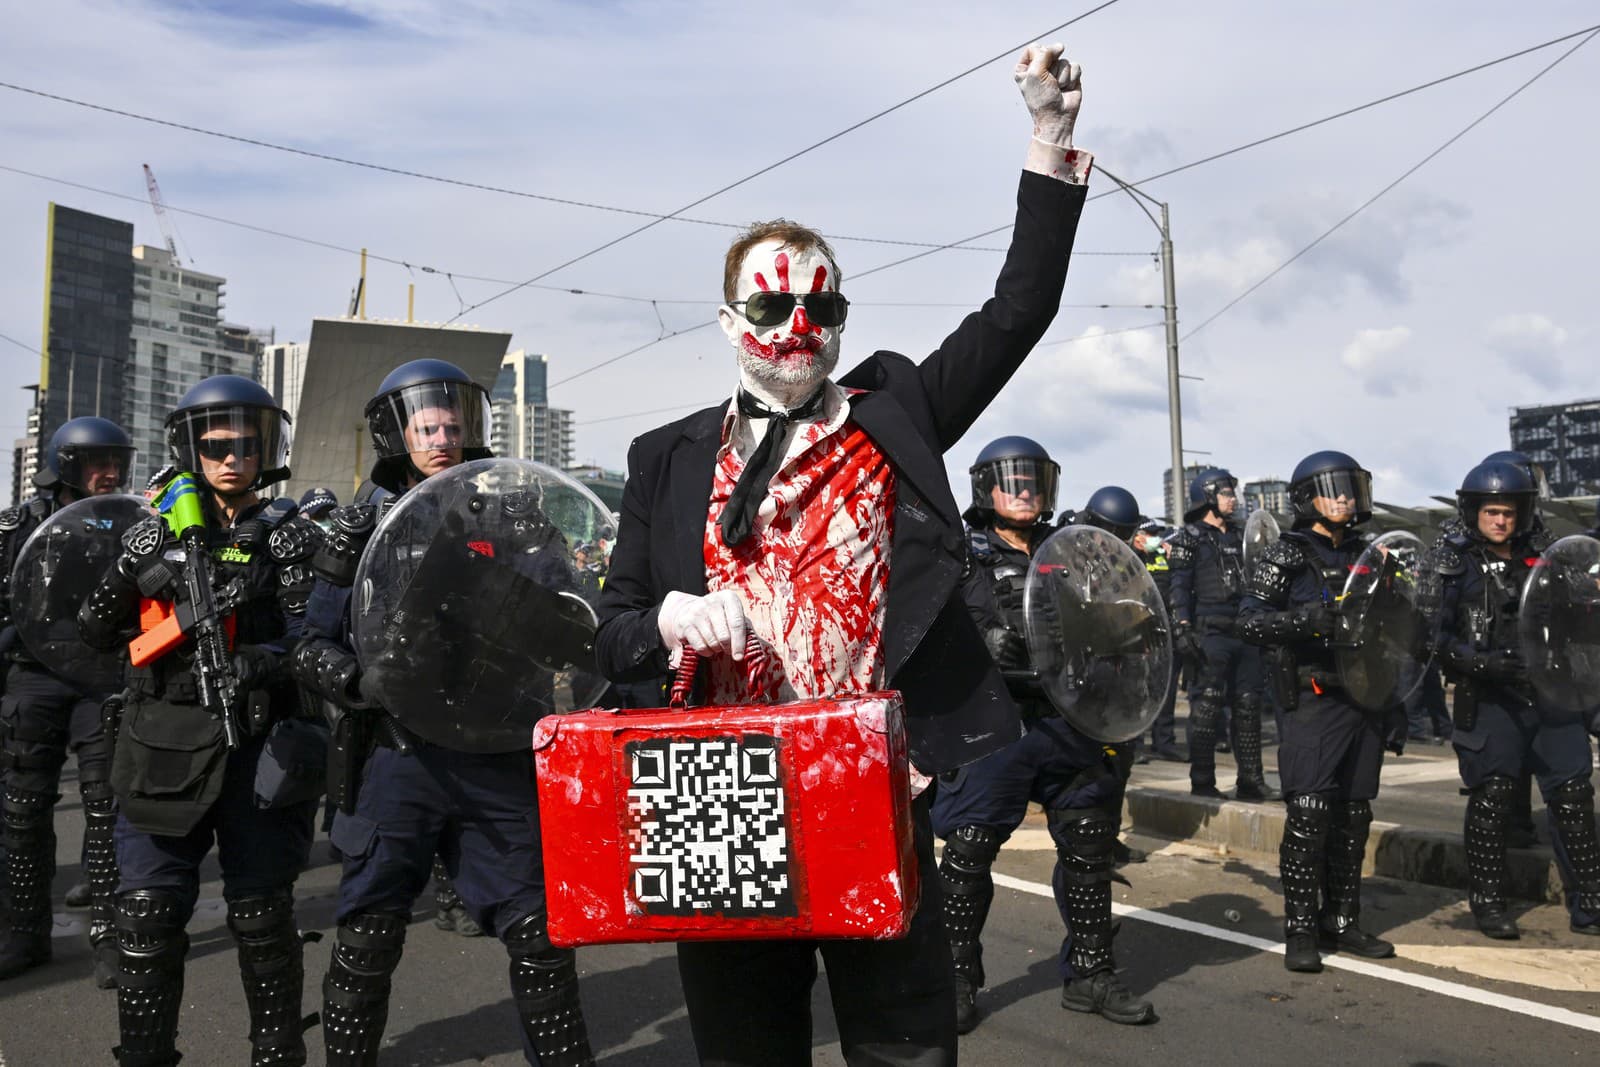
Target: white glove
<point>710,624</point>
<point>1051,87</point>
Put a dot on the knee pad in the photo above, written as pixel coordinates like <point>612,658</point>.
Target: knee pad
<point>99,799</point>
<point>971,849</point>
<point>1248,704</point>
<point>264,926</point>
<point>150,924</point>
<point>369,944</point>
<point>1084,841</point>
<point>23,814</point>
<point>1305,830</point>
<point>1576,794</point>
<point>537,966</point>
<point>1494,796</point>
<point>1353,815</point>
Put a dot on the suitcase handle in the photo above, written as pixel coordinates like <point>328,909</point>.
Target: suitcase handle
<point>755,663</point>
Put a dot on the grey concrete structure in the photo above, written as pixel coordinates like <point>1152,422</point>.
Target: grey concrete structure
<point>346,361</point>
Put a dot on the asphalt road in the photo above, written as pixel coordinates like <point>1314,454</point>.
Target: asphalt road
<point>1197,937</point>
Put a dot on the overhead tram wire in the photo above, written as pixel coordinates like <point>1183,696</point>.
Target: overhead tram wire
<point>1224,309</point>
<point>21,345</point>
<point>1258,142</point>
<point>791,157</point>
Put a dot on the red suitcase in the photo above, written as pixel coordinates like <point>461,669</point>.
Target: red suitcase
<point>717,823</point>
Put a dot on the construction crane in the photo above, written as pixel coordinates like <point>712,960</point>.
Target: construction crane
<point>168,230</point>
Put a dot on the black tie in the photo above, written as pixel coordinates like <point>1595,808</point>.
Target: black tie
<point>739,516</point>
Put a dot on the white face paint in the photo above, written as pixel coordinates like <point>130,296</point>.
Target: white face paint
<point>783,363</point>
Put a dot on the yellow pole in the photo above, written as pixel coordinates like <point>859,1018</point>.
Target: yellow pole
<point>361,310</point>
<point>411,302</point>
<point>355,483</point>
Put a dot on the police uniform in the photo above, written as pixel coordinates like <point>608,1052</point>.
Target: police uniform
<point>1077,780</point>
<point>1164,732</point>
<point>1503,729</point>
<point>42,718</point>
<point>405,799</point>
<point>181,790</point>
<point>1207,566</point>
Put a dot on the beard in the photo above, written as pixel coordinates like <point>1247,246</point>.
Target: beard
<point>789,370</point>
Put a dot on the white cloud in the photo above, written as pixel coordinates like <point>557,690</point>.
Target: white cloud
<point>1371,356</point>
<point>1530,343</point>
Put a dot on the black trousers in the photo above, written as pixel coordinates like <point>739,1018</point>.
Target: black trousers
<point>894,1001</point>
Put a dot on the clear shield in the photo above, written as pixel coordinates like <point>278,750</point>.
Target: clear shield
<point>1559,624</point>
<point>58,567</point>
<point>472,619</point>
<point>1383,651</point>
<point>1097,633</point>
<point>1260,530</point>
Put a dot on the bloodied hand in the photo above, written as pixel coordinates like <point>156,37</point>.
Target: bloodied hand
<point>1052,88</point>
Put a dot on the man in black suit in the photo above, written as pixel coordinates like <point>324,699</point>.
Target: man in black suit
<point>817,517</point>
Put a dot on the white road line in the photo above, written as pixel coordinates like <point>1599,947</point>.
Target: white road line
<point>1547,1012</point>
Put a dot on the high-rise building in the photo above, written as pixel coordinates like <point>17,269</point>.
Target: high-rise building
<point>525,425</point>
<point>25,452</point>
<point>1175,513</point>
<point>1269,493</point>
<point>283,372</point>
<point>88,307</point>
<point>178,338</point>
<point>1565,440</point>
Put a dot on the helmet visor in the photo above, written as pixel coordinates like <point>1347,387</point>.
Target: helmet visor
<point>232,447</point>
<point>1018,478</point>
<point>429,417</point>
<point>95,469</point>
<point>1347,489</point>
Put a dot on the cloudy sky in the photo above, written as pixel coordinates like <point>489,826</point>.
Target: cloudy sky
<point>1404,338</point>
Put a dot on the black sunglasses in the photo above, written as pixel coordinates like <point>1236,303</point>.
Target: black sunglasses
<point>770,309</point>
<point>220,448</point>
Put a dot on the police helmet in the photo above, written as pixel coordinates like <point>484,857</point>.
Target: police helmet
<point>1205,488</point>
<point>1329,474</point>
<point>1535,472</point>
<point>76,445</point>
<point>317,502</point>
<point>408,404</point>
<point>1014,465</point>
<point>1498,481</point>
<point>1113,509</point>
<point>228,407</point>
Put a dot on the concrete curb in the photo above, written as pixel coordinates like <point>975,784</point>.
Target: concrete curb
<point>1393,851</point>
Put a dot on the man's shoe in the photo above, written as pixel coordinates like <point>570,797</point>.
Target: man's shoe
<point>1121,853</point>
<point>1587,929</point>
<point>23,952</point>
<point>1495,921</point>
<point>1169,754</point>
<point>1224,748</point>
<point>456,920</point>
<point>966,1006</point>
<point>107,964</point>
<point>80,896</point>
<point>1256,791</point>
<point>1207,791</point>
<point>1356,941</point>
<point>1300,954</point>
<point>1104,994</point>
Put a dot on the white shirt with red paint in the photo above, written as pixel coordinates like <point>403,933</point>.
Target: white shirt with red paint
<point>813,576</point>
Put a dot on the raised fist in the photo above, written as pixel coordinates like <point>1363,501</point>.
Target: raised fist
<point>1051,87</point>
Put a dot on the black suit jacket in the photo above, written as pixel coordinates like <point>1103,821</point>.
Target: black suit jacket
<point>957,706</point>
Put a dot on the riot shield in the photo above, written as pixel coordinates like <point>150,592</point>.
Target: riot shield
<point>1383,650</point>
<point>470,617</point>
<point>1097,633</point>
<point>1260,530</point>
<point>57,569</point>
<point>1558,624</point>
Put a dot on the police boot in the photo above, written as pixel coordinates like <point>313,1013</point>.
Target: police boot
<point>1252,783</point>
<point>1204,710</point>
<point>100,867</point>
<point>355,992</point>
<point>1489,808</point>
<point>1347,848</point>
<point>448,912</point>
<point>152,943</point>
<point>964,876</point>
<point>1083,894</point>
<point>544,984</point>
<point>29,863</point>
<point>271,965</point>
<point>1301,859</point>
<point>1572,813</point>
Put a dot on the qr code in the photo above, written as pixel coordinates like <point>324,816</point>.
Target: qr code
<point>710,827</point>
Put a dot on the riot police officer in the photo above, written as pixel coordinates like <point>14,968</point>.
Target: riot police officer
<point>1151,544</point>
<point>1076,779</point>
<point>201,732</point>
<point>1207,560</point>
<point>1502,725</point>
<point>479,810</point>
<point>43,716</point>
<point>1332,749</point>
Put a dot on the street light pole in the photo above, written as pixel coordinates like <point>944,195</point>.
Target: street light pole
<point>1170,305</point>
